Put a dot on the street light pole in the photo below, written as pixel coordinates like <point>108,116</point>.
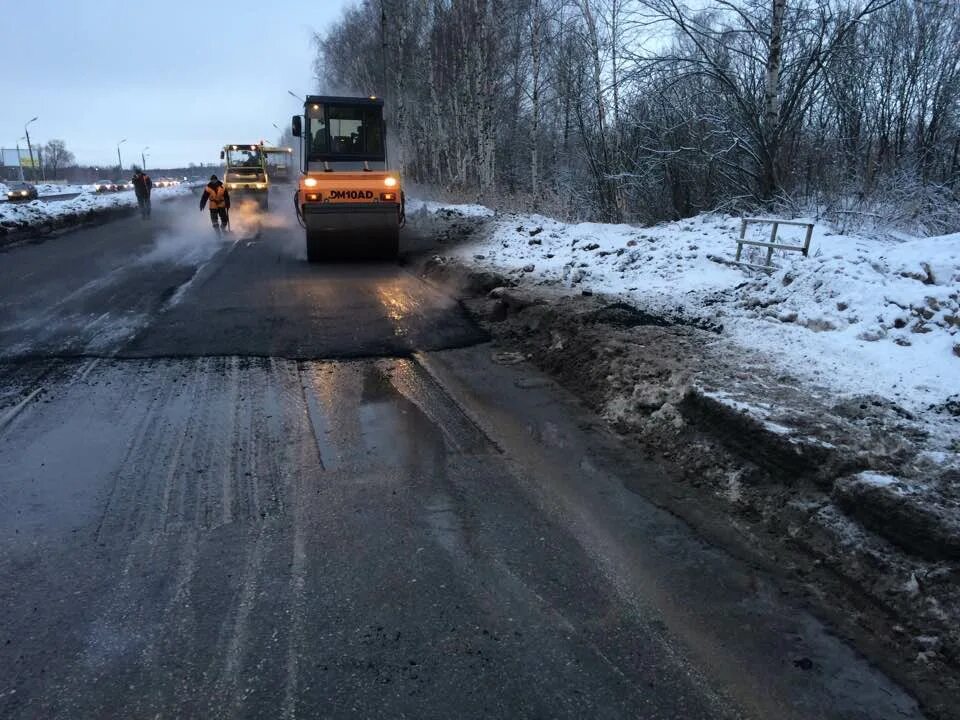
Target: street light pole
<point>33,168</point>
<point>143,159</point>
<point>119,160</point>
<point>299,139</point>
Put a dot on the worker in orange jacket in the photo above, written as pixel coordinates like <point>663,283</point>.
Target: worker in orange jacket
<point>142,185</point>
<point>219,198</point>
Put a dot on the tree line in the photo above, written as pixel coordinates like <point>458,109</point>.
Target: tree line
<point>49,160</point>
<point>645,110</point>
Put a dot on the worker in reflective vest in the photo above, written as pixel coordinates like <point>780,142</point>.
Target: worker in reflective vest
<point>216,193</point>
<point>142,185</point>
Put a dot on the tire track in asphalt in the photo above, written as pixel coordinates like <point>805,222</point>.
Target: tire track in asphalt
<point>299,456</point>
<point>40,376</point>
<point>236,628</point>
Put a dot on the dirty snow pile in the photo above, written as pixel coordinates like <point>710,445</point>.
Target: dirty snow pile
<point>38,212</point>
<point>859,315</point>
<point>417,206</point>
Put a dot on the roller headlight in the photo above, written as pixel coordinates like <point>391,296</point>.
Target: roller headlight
<point>310,182</point>
<point>390,181</point>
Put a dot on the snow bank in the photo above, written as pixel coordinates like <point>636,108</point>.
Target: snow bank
<point>15,216</point>
<point>45,189</point>
<point>858,316</point>
<point>416,206</point>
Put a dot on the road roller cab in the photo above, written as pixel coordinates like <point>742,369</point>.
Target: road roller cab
<point>350,203</point>
<point>245,173</point>
<point>279,162</point>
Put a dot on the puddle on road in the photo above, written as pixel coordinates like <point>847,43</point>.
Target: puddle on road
<point>385,413</point>
<point>361,421</point>
<point>394,430</point>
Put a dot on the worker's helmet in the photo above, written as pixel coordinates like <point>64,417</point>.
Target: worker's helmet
<point>213,177</point>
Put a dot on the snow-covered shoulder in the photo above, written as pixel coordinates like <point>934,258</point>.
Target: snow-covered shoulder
<point>859,315</point>
<point>414,206</point>
<point>38,212</point>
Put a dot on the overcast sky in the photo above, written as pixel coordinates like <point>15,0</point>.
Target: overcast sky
<point>181,77</point>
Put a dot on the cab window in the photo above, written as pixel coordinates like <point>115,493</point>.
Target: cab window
<point>345,130</point>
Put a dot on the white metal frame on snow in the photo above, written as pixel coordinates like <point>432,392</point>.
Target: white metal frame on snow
<point>772,245</point>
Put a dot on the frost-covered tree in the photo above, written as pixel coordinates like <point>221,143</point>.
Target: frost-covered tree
<point>650,109</point>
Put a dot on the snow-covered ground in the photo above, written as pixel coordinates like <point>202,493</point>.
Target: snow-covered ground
<point>415,206</point>
<point>38,212</point>
<point>45,189</point>
<point>859,316</point>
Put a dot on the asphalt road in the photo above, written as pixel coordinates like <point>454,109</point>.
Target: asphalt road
<point>236,485</point>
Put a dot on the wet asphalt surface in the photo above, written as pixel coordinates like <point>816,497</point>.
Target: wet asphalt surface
<point>236,485</point>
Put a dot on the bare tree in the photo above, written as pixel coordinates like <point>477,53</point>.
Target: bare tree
<point>732,42</point>
<point>56,156</point>
<point>653,109</point>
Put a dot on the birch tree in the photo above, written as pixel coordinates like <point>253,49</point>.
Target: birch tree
<point>654,109</point>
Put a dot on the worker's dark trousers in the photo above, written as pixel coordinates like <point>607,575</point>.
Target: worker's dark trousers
<point>144,203</point>
<point>220,213</point>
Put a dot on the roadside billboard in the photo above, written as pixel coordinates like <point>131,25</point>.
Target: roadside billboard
<point>11,165</point>
<point>8,158</point>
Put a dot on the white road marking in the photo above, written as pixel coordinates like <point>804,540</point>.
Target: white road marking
<point>16,409</point>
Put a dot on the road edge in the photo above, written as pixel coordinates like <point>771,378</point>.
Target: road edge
<point>878,627</point>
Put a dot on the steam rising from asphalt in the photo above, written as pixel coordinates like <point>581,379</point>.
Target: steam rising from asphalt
<point>186,238</point>
<point>247,220</point>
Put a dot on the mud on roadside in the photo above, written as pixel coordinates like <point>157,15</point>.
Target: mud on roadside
<point>838,495</point>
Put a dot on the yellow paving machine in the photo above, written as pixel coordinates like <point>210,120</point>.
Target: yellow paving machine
<point>279,163</point>
<point>245,173</point>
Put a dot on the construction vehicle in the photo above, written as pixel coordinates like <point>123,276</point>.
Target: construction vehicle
<point>279,161</point>
<point>245,174</point>
<point>350,204</point>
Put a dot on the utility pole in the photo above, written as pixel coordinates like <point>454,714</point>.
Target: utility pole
<point>33,168</point>
<point>119,160</point>
<point>143,159</point>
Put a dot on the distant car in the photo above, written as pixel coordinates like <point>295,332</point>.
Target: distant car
<point>21,191</point>
<point>104,186</point>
